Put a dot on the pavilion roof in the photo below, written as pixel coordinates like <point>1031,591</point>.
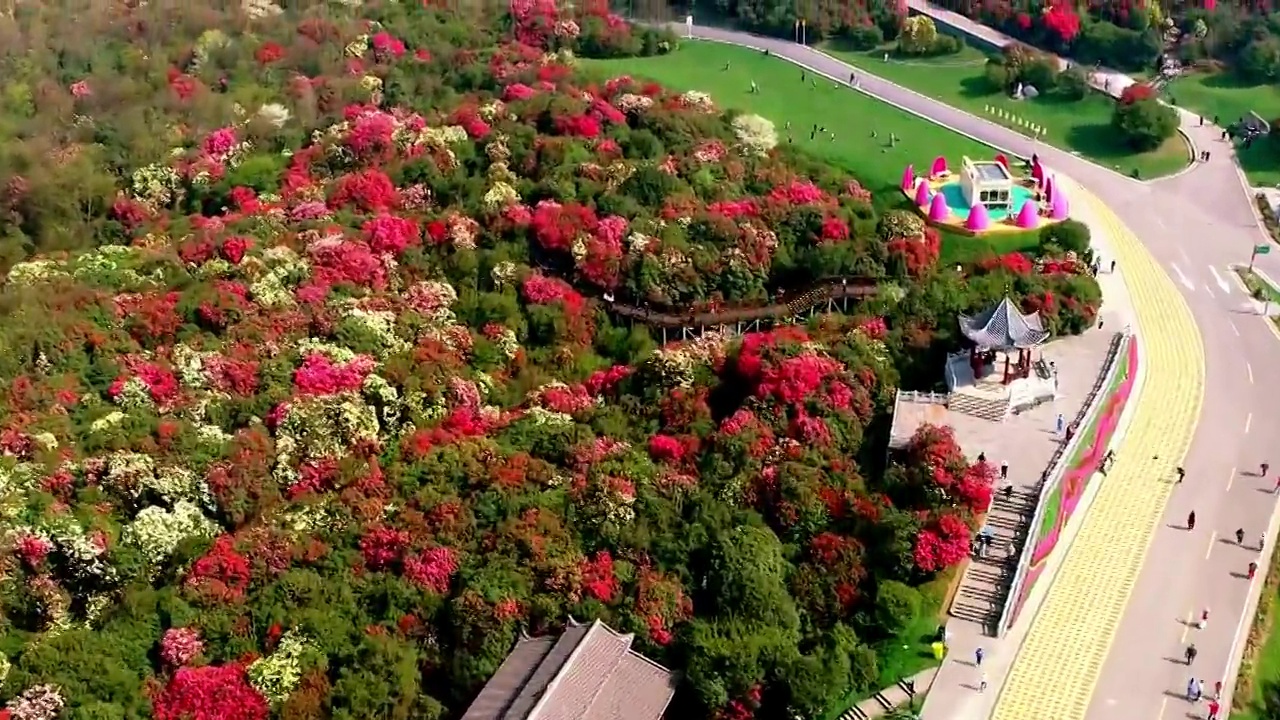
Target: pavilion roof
<point>1004,326</point>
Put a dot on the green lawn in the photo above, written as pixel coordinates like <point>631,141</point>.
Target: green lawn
<point>910,655</point>
<point>1227,97</point>
<point>1082,127</point>
<point>1262,664</point>
<point>850,114</point>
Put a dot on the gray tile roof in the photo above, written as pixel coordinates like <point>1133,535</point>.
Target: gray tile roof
<point>588,673</point>
<point>1003,326</point>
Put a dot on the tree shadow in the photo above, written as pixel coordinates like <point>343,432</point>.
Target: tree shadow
<point>977,86</point>
<point>1230,81</point>
<point>1100,142</point>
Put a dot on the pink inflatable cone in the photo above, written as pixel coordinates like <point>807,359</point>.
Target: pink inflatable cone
<point>978,219</point>
<point>922,194</point>
<point>1059,209</point>
<point>938,210</point>
<point>1000,158</point>
<point>1048,189</point>
<point>1028,218</point>
<point>939,166</point>
<point>909,179</point>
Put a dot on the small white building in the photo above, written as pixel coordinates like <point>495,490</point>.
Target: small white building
<point>987,182</point>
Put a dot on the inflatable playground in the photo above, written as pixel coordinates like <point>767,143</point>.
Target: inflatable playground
<point>985,196</point>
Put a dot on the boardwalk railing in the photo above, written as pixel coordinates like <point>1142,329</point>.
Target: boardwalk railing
<point>1055,471</point>
<point>826,292</point>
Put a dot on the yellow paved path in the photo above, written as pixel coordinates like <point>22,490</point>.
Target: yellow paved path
<point>1057,667</point>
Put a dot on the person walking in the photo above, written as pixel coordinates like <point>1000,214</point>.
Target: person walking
<point>1182,474</point>
<point>977,656</point>
<point>1253,569</point>
<point>1214,709</point>
<point>1262,541</point>
<point>1191,521</point>
<point>1190,653</point>
<point>1265,468</point>
<point>1240,537</point>
<point>1217,690</point>
<point>1199,690</point>
<point>982,682</point>
<point>1004,470</point>
<point>1204,619</point>
<point>1191,690</point>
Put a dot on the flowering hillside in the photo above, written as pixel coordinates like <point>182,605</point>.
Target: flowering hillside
<point>331,411</point>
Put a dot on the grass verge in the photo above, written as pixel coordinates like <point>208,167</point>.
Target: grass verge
<point>1082,126</point>
<point>1260,663</point>
<point>851,115</point>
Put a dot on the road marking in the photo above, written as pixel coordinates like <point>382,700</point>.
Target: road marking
<point>1232,477</point>
<point>1233,327</point>
<point>1221,282</point>
<point>1249,367</point>
<point>1213,537</point>
<point>1248,421</point>
<point>1186,627</point>
<point>1182,277</point>
<point>1209,290</point>
<point>1185,257</point>
<point>1164,705</point>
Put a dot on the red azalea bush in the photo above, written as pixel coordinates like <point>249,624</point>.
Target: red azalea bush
<point>209,693</point>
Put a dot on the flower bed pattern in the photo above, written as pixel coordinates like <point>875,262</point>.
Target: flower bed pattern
<point>1076,478</point>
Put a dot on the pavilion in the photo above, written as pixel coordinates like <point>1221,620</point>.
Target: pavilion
<point>999,331</point>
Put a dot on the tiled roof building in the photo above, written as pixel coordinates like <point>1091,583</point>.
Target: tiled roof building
<point>589,673</point>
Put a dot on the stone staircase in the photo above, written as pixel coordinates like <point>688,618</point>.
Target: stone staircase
<point>979,405</point>
<point>987,581</point>
<point>894,696</point>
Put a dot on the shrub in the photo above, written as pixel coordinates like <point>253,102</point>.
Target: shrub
<point>864,37</point>
<point>897,607</point>
<point>1041,73</point>
<point>1067,236</point>
<point>1144,124</point>
<point>997,75</point>
<point>919,34</point>
<point>1260,60</point>
<point>946,45</point>
<point>1073,83</point>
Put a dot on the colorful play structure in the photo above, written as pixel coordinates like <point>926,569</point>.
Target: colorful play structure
<point>985,196</point>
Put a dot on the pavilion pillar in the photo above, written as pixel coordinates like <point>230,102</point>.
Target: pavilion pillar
<point>1006,369</point>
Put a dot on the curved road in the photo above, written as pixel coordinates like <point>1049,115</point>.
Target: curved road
<point>1102,642</point>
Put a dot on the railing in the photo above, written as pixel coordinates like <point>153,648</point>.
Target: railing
<point>1054,471</point>
<point>921,397</point>
<point>826,291</point>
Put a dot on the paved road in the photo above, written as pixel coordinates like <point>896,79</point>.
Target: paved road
<point>1192,226</point>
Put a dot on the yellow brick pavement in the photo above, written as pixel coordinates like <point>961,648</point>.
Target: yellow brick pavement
<point>1058,665</point>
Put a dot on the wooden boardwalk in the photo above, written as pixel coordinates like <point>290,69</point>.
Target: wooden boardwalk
<point>830,296</point>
